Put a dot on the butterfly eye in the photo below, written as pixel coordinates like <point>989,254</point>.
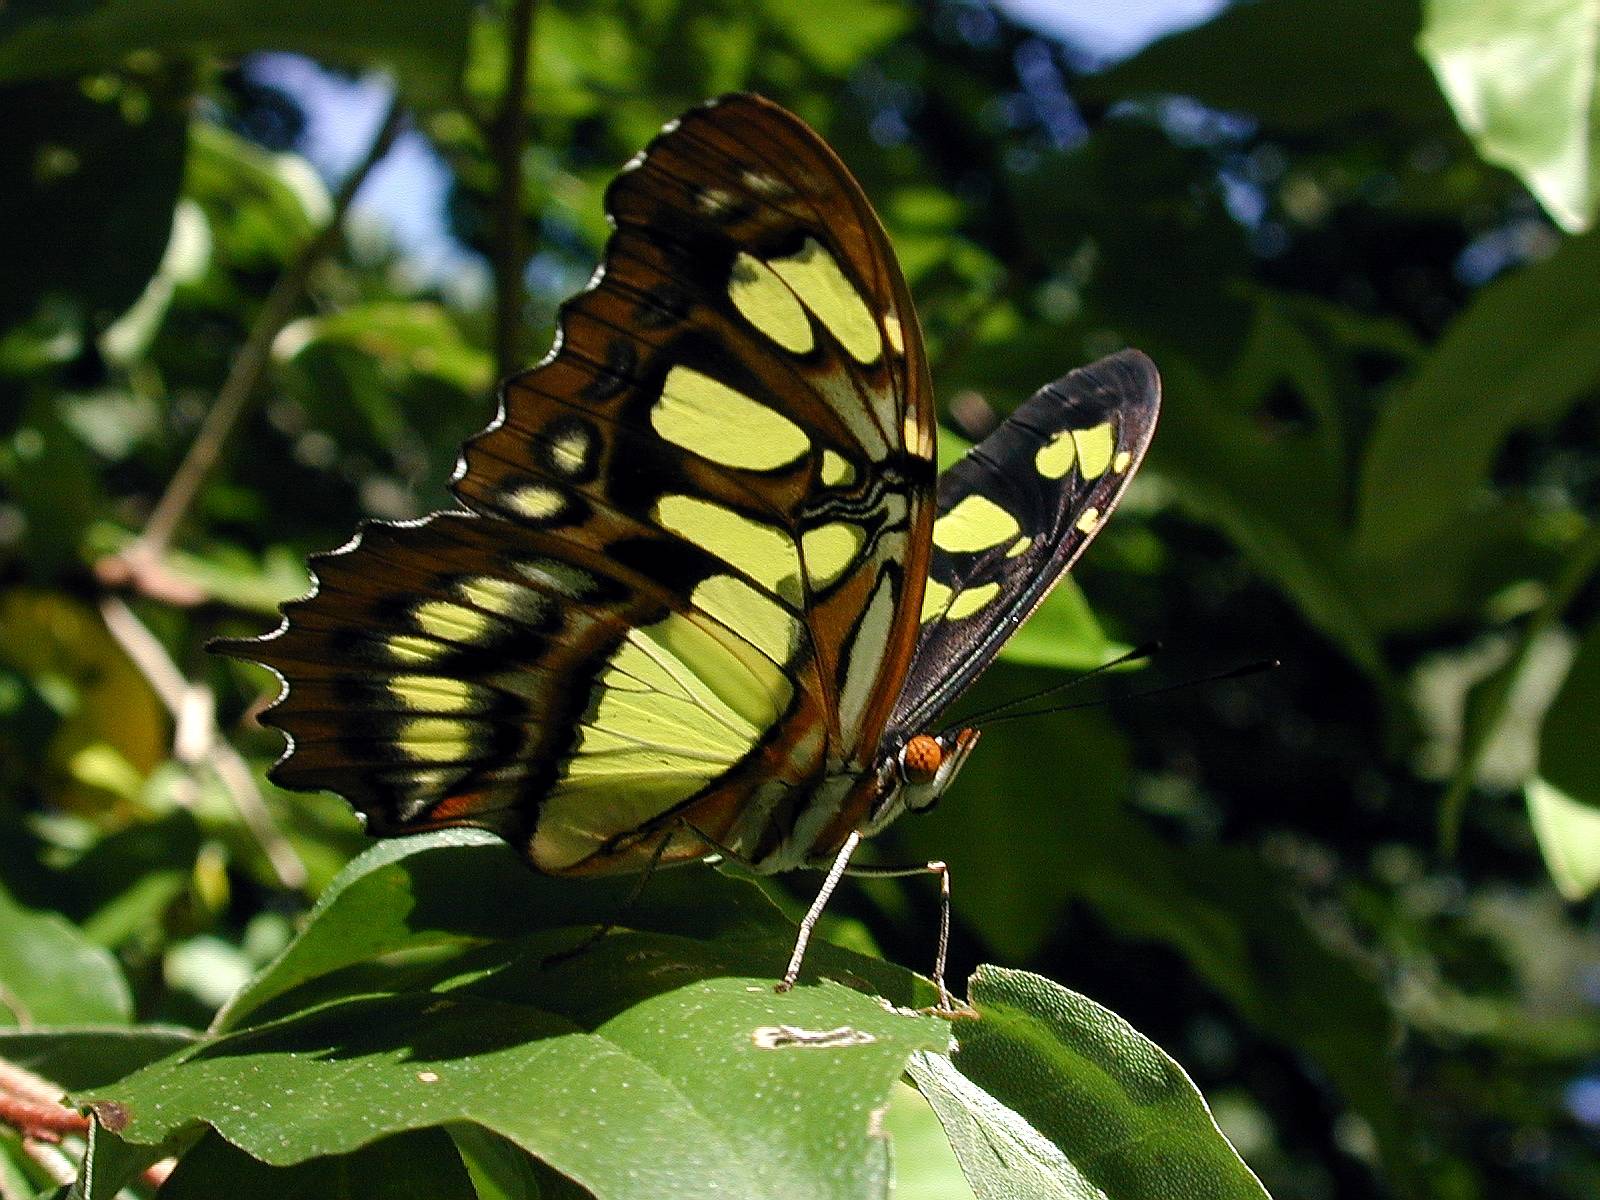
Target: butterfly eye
<point>920,759</point>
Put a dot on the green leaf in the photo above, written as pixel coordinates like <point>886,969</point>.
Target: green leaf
<point>1131,210</point>
<point>261,207</point>
<point>1522,79</point>
<point>1231,474</point>
<point>424,45</point>
<point>1062,632</point>
<point>407,1166</point>
<point>1287,970</point>
<point>1521,688</point>
<point>925,1167</point>
<point>15,1177</point>
<point>763,1092</point>
<point>1293,64</point>
<point>1004,1157</point>
<point>109,1163</point>
<point>1569,759</point>
<point>56,485</point>
<point>1524,351</point>
<point>836,34</point>
<point>1036,822</point>
<point>106,705</point>
<point>127,340</point>
<point>51,974</point>
<point>89,1056</point>
<point>123,885</point>
<point>416,336</point>
<point>1051,1095</point>
<point>222,573</point>
<point>1568,832</point>
<point>398,377</point>
<point>1013,820</point>
<point>88,205</point>
<point>1473,558</point>
<point>411,894</point>
<point>499,1169</point>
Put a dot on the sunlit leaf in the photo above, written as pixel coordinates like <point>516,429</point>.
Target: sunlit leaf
<point>260,207</point>
<point>835,34</point>
<point>679,1068</point>
<point>499,1169</point>
<point>1521,77</point>
<point>1050,1094</point>
<point>185,259</point>
<point>1062,632</point>
<point>51,974</point>
<point>925,1167</point>
<point>418,337</point>
<point>1569,838</point>
<point>110,710</point>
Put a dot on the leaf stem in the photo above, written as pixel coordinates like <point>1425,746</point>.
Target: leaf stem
<point>197,739</point>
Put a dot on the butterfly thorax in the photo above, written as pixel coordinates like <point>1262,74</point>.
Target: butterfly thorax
<point>806,827</point>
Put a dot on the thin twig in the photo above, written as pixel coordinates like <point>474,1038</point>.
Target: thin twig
<point>197,739</point>
<point>19,1081</point>
<point>249,366</point>
<point>50,1159</point>
<point>31,1105</point>
<point>507,135</point>
<point>45,1121</point>
<point>1579,567</point>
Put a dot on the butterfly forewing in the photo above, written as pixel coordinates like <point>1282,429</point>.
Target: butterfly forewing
<point>693,560</point>
<point>1015,513</point>
<point>752,367</point>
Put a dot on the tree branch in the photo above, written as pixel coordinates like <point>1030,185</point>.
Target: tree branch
<point>140,563</point>
<point>507,135</point>
<point>196,738</point>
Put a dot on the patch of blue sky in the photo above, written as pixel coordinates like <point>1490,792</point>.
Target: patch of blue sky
<point>1109,30</point>
<point>406,194</point>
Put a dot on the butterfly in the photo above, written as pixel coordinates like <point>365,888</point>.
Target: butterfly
<point>706,593</point>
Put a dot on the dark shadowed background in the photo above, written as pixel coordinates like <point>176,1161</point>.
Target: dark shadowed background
<point>1351,896</point>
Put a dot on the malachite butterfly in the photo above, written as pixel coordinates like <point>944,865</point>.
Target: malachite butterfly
<point>706,593</point>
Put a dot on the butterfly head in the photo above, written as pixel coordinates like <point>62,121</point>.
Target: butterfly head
<point>928,763</point>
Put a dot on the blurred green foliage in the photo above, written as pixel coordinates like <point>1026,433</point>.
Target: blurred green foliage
<point>1354,897</point>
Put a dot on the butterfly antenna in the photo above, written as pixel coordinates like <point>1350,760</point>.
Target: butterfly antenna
<point>1239,672</point>
<point>1147,650</point>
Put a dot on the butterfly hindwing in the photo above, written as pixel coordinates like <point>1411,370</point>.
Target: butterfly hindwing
<point>692,559</point>
<point>1015,513</point>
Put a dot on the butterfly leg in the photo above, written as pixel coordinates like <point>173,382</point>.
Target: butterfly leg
<point>611,922</point>
<point>809,921</point>
<point>945,1007</point>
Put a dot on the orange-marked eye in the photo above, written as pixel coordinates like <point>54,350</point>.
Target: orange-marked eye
<point>921,758</point>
